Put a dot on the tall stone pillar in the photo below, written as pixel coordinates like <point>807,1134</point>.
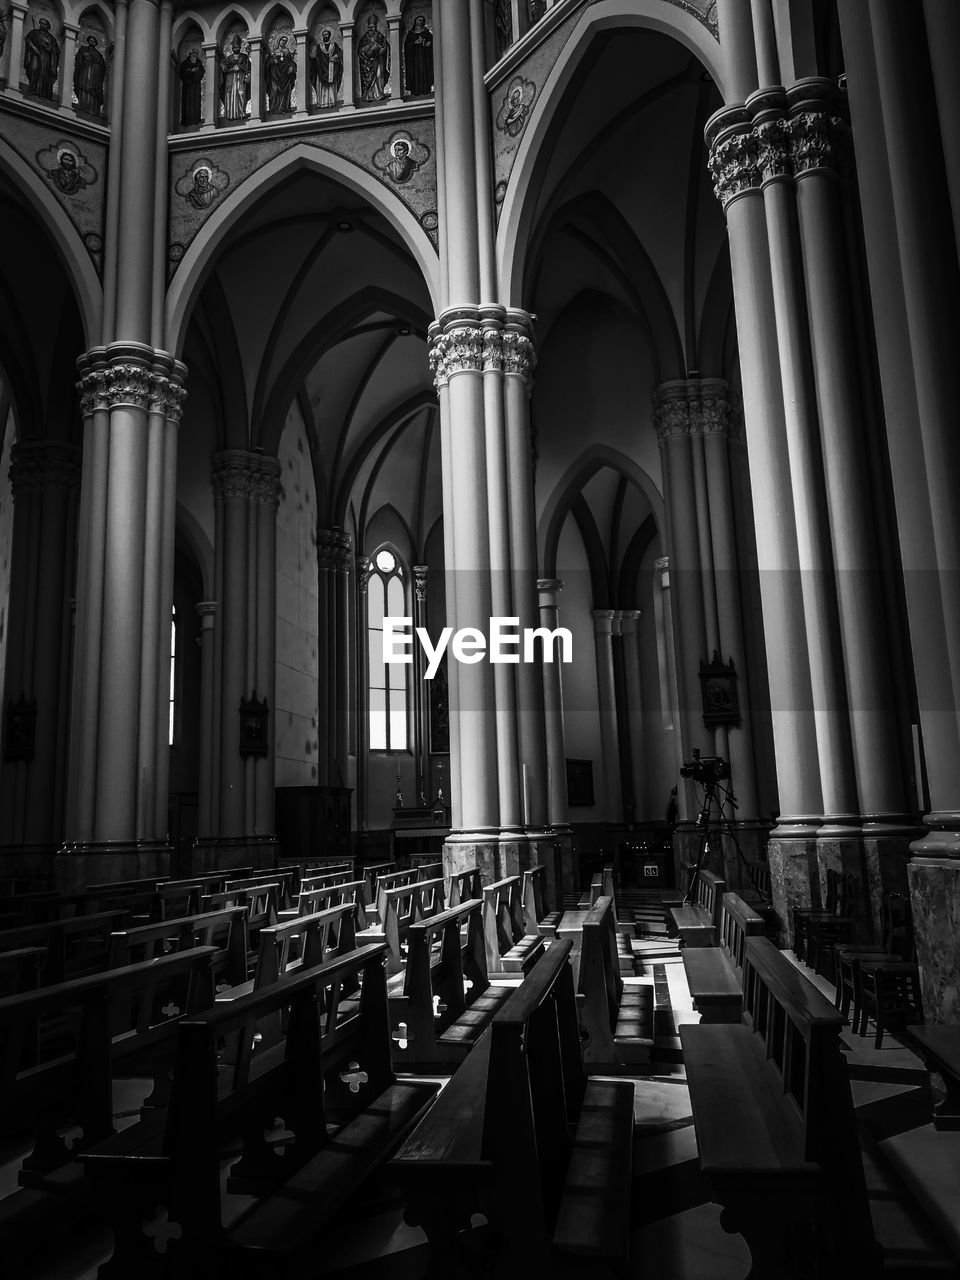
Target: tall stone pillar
<point>421,720</point>
<point>346,44</point>
<point>207,805</point>
<point>45,477</point>
<point>210,79</point>
<point>557,813</point>
<point>247,489</point>
<point>607,701</point>
<point>910,241</point>
<point>18,13</point>
<point>364,568</point>
<point>333,654</point>
<point>633,711</point>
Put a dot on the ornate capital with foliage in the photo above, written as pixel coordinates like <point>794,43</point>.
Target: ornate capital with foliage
<point>691,407</point>
<point>420,575</point>
<point>132,377</point>
<point>334,549</point>
<point>37,465</point>
<point>239,475</point>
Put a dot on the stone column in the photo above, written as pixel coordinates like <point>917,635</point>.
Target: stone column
<point>68,57</point>
<point>607,702</point>
<point>421,717</point>
<point>247,490</point>
<point>256,78</point>
<point>734,165</point>
<point>629,622</point>
<point>18,13</point>
<point>302,89</point>
<point>346,44</point>
<point>557,813</point>
<point>910,245</point>
<point>395,80</point>
<point>364,569</point>
<point>211,101</point>
<point>206,797</point>
<point>44,477</point>
<point>333,557</point>
<point>943,37</point>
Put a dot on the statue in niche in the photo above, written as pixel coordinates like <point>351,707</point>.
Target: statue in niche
<point>503,27</point>
<point>191,72</point>
<point>235,80</point>
<point>89,74</point>
<point>327,69</point>
<point>280,74</point>
<point>41,58</point>
<point>373,59</point>
<point>535,10</point>
<point>418,57</point>
<point>3,32</point>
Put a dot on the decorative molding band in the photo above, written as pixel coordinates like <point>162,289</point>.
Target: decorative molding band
<point>334,549</point>
<point>38,465</point>
<point>692,407</point>
<point>132,377</point>
<point>239,475</point>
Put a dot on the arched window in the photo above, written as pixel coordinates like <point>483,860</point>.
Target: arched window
<point>386,595</point>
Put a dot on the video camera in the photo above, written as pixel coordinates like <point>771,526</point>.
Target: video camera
<point>705,769</point>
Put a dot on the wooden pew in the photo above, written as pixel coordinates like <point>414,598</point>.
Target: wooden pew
<point>178,898</point>
<point>63,1045</point>
<point>20,969</point>
<point>463,886</point>
<point>383,885</point>
<point>260,900</point>
<point>300,943</point>
<point>327,1070</point>
<point>224,931</point>
<point>73,947</point>
<point>509,947</point>
<point>284,880</point>
<point>616,1018</point>
<point>698,921</point>
<point>371,874</point>
<point>322,897</point>
<point>537,916</point>
<point>427,870</point>
<point>402,907</point>
<point>776,1128</point>
<point>520,1135</point>
<point>714,974</point>
<point>445,998</point>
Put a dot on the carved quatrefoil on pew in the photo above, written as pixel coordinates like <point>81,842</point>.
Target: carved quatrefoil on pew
<point>353,1077</point>
<point>161,1229</point>
<point>467,985</point>
<point>439,1007</point>
<point>401,1035</point>
<point>170,1009</point>
<point>279,1136</point>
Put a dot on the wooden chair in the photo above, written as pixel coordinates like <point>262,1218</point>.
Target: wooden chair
<point>897,944</point>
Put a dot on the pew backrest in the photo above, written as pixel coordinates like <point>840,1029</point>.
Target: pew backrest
<point>282,879</point>
<point>402,908</point>
<point>599,972</point>
<point>225,931</point>
<point>75,946</point>
<point>502,918</point>
<point>440,988</point>
<point>738,922</point>
<point>371,875</point>
<point>322,897</point>
<point>304,943</point>
<point>386,884</point>
<point>429,870</point>
<point>535,905</point>
<point>464,885</point>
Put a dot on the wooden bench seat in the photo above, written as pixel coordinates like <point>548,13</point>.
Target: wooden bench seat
<point>714,973</point>
<point>776,1129</point>
<point>939,1046</point>
<point>537,916</point>
<point>446,999</point>
<point>329,1084</point>
<point>509,947</point>
<point>697,921</point>
<point>522,1137</point>
<point>616,1016</point>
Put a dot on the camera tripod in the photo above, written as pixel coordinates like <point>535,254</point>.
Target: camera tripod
<point>723,825</point>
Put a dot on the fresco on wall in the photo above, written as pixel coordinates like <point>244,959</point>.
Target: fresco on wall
<point>202,183</point>
<point>66,167</point>
<point>191,71</point>
<point>280,68</point>
<point>373,60</point>
<point>325,53</point>
<point>235,75</point>
<point>516,105</point>
<point>411,176</point>
<point>41,53</point>
<point>400,157</point>
<point>418,53</point>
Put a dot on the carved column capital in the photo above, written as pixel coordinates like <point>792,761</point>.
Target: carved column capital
<point>459,349</point>
<point>364,570</point>
<point>37,465</point>
<point>691,406</point>
<point>733,160</point>
<point>242,475</point>
<point>333,549</point>
<point>420,576</point>
<point>131,376</point>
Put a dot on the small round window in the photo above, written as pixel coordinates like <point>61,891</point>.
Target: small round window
<point>386,561</point>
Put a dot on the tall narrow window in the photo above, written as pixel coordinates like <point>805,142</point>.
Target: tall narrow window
<point>386,595</point>
<point>173,671</point>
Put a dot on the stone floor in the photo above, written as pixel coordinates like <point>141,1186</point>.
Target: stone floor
<point>913,1173</point>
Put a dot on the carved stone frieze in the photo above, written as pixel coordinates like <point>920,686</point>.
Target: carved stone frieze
<point>107,383</point>
<point>37,465</point>
<point>480,348</point>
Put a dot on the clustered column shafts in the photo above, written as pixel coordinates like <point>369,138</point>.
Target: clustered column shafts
<point>557,811</point>
<point>45,480</point>
<point>334,554</point>
<point>246,488</point>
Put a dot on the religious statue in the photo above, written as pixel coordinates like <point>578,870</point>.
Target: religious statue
<point>535,10</point>
<point>41,59</point>
<point>418,57</point>
<point>235,80</point>
<point>373,59</point>
<point>280,74</point>
<point>191,72</point>
<point>3,32</point>
<point>89,73</point>
<point>327,69</point>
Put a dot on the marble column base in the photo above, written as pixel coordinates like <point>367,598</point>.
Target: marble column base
<point>794,878</point>
<point>845,852</point>
<point>886,858</point>
<point>935,901</point>
<point>464,855</point>
<point>77,866</point>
